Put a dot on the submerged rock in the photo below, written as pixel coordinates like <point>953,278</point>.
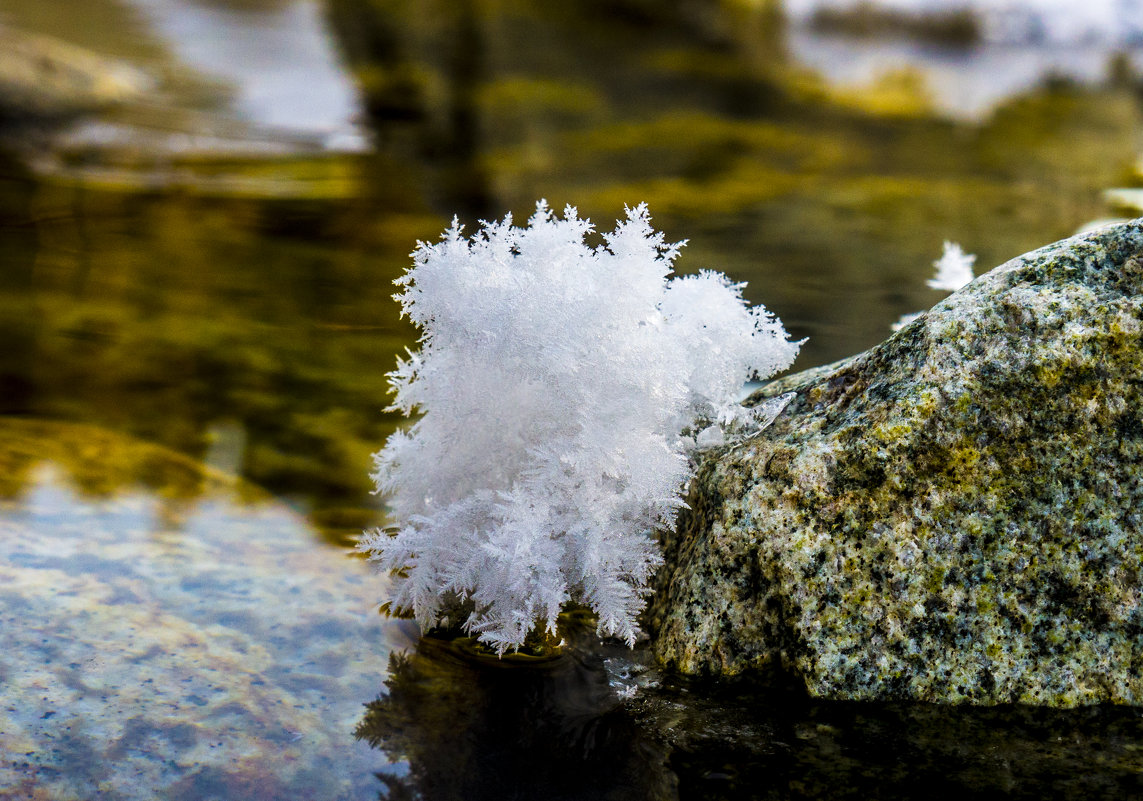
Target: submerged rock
<point>172,631</point>
<point>952,516</point>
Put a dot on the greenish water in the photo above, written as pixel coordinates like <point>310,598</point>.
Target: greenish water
<point>203,277</point>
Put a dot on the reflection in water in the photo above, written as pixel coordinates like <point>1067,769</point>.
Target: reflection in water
<point>275,57</point>
<point>961,82</point>
<point>780,745</point>
<point>178,318</point>
<point>422,78</point>
<point>457,727</point>
<point>463,725</point>
<point>17,262</point>
<point>1059,22</point>
<point>464,179</point>
<point>169,629</point>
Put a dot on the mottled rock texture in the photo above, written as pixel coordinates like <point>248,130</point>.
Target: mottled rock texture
<point>952,516</point>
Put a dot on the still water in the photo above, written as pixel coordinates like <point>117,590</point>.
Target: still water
<point>196,323</point>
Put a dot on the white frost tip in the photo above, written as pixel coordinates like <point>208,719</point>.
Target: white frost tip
<point>904,320</point>
<point>954,269</point>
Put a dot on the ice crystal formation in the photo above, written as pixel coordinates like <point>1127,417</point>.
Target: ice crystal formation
<point>557,389</point>
<point>1010,22</point>
<point>954,271</point>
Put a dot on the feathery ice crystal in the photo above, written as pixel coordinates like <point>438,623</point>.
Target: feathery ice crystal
<point>556,385</point>
<point>954,271</point>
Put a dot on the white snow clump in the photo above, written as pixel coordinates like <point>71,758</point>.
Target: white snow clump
<point>556,384</point>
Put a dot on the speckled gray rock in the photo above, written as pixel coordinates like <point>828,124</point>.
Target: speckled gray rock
<point>952,516</point>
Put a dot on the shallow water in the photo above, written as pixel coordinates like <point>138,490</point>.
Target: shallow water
<point>963,82</point>
<point>169,629</point>
<point>277,57</point>
<point>196,321</point>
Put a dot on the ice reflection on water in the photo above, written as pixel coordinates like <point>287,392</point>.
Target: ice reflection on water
<point>963,82</point>
<point>276,57</point>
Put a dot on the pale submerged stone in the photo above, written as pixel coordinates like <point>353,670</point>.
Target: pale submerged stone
<point>951,516</point>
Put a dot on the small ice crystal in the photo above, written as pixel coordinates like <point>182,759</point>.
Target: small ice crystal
<point>954,269</point>
<point>904,320</point>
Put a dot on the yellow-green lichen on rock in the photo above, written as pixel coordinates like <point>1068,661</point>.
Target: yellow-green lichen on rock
<point>951,516</point>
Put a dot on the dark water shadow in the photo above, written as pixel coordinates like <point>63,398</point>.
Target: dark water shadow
<point>775,743</point>
<point>457,725</point>
<point>17,264</point>
<point>470,726</point>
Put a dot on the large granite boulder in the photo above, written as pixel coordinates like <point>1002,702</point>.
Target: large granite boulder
<point>952,516</point>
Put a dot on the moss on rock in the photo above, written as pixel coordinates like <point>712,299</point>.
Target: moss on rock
<point>951,516</point>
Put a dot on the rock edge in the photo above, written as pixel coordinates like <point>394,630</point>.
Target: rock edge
<point>950,516</point>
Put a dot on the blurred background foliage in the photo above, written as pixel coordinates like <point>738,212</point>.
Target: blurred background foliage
<point>203,203</point>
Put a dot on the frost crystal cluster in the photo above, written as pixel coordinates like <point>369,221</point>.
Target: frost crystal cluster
<point>558,387</point>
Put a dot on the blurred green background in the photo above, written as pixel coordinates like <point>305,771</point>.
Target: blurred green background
<point>203,203</point>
